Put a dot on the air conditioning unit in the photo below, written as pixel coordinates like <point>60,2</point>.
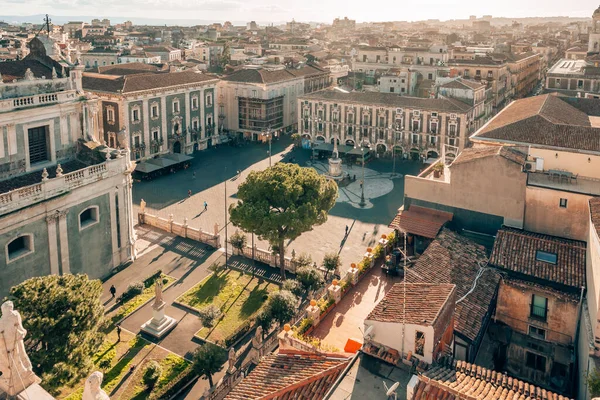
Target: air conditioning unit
<point>530,166</point>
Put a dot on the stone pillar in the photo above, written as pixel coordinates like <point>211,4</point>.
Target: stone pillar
<point>146,125</point>
<point>185,227</point>
<point>314,312</point>
<point>335,291</point>
<point>52,245</point>
<point>353,275</point>
<point>113,224</point>
<point>163,119</point>
<point>188,111</point>
<point>171,223</point>
<point>64,242</point>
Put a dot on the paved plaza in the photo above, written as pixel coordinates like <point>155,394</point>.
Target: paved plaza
<point>384,194</point>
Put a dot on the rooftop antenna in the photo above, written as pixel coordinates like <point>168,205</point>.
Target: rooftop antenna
<point>47,21</point>
<point>392,390</point>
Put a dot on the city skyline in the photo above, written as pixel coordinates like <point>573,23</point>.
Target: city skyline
<point>286,10</point>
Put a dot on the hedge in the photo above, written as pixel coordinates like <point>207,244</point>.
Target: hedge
<point>174,386</point>
<point>235,336</point>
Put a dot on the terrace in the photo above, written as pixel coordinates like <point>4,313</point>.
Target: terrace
<point>567,183</point>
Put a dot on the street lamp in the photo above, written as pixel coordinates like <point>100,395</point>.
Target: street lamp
<point>269,134</point>
<point>362,184</point>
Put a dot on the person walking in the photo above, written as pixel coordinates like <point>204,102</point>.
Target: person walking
<point>346,230</point>
<point>118,333</point>
<point>113,290</point>
<point>205,206</point>
<point>189,193</point>
<point>194,175</point>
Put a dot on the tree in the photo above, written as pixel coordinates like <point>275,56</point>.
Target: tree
<point>208,360</point>
<point>304,260</point>
<point>63,316</point>
<point>225,55</point>
<point>238,240</point>
<point>297,138</point>
<point>282,202</point>
<point>281,306</point>
<point>292,285</point>
<point>310,278</point>
<point>593,381</point>
<point>264,320</point>
<point>331,262</point>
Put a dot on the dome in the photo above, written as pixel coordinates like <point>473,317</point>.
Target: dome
<point>596,15</point>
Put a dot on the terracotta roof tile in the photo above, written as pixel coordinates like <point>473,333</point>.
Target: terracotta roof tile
<point>452,258</point>
<point>516,251</point>
<point>595,213</point>
<point>260,76</point>
<point>459,379</point>
<point>283,376</point>
<point>474,153</point>
<point>424,302</point>
<point>389,100</point>
<point>545,120</point>
<point>421,221</point>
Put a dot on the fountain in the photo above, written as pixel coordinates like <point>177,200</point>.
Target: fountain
<point>335,163</point>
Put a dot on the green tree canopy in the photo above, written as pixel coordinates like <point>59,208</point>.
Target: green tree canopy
<point>208,360</point>
<point>282,202</point>
<point>63,316</point>
<point>281,306</point>
<point>310,278</point>
<point>331,262</point>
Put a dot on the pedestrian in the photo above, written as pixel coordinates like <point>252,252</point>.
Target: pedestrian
<point>194,175</point>
<point>189,193</point>
<point>354,178</point>
<point>118,333</point>
<point>113,290</point>
<point>205,206</point>
<point>346,230</point>
<point>361,183</point>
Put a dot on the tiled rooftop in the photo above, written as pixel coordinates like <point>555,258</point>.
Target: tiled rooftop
<point>461,380</point>
<point>389,100</point>
<point>474,153</point>
<point>544,120</point>
<point>421,221</point>
<point>452,258</point>
<point>424,301</point>
<point>516,251</point>
<point>290,376</point>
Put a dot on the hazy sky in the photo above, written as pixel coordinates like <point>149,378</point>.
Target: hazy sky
<point>301,10</point>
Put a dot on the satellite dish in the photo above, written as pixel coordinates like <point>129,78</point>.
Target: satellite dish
<point>392,391</point>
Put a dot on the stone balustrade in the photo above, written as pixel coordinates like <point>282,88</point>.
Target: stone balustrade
<point>52,187</point>
<point>36,100</point>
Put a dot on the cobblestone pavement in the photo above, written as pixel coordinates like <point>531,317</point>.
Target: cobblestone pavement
<point>346,320</point>
<point>168,195</point>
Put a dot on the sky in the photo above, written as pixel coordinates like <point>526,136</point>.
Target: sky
<point>300,10</point>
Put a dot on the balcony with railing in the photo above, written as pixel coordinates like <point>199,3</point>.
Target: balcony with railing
<point>60,184</point>
<point>37,100</point>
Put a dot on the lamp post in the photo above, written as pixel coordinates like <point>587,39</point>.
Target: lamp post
<point>269,134</point>
<point>362,185</point>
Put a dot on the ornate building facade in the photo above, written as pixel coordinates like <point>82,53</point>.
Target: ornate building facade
<point>156,112</point>
<point>418,128</point>
<point>65,201</point>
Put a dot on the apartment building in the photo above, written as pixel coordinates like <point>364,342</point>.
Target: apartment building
<point>155,112</point>
<point>417,128</point>
<point>525,70</point>
<point>577,78</point>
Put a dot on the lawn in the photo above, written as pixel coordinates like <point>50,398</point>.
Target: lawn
<point>239,296</point>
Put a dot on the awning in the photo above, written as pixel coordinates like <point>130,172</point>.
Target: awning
<point>178,157</point>
<point>342,148</point>
<point>421,221</point>
<point>146,168</point>
<point>162,162</point>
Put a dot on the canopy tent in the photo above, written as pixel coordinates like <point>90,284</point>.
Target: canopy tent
<point>161,162</point>
<point>178,157</point>
<point>146,168</point>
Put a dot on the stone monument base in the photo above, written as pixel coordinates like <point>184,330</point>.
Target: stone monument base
<point>22,384</point>
<point>160,324</point>
<point>335,169</point>
<point>36,392</point>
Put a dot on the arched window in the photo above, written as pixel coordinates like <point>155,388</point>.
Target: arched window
<point>88,217</point>
<point>19,247</point>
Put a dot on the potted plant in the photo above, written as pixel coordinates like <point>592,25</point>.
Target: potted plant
<point>438,170</point>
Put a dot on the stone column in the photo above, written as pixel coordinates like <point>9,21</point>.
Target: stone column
<point>163,119</point>
<point>52,245</point>
<point>146,125</point>
<point>64,131</point>
<point>335,291</point>
<point>113,224</point>
<point>11,134</point>
<point>314,312</point>
<point>64,242</point>
<point>202,123</point>
<point>188,111</point>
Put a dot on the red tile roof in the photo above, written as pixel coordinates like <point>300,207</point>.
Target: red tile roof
<point>595,213</point>
<point>516,251</point>
<point>424,301</point>
<point>545,120</point>
<point>290,376</point>
<point>452,258</point>
<point>474,153</point>
<point>421,221</point>
<point>461,380</point>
